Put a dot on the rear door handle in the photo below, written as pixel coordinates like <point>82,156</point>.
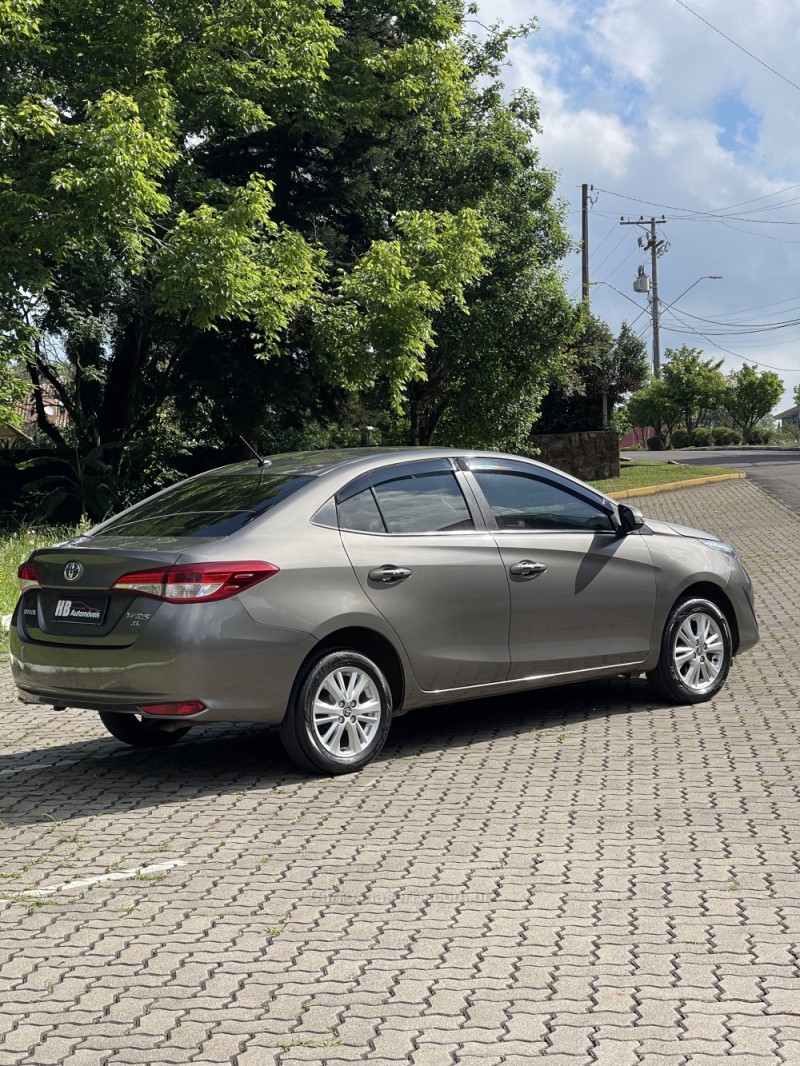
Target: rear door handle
<point>527,568</point>
<point>389,574</point>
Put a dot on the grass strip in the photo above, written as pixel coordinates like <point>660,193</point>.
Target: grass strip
<point>15,547</point>
<point>640,474</point>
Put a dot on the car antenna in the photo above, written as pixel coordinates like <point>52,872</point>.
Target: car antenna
<point>261,460</point>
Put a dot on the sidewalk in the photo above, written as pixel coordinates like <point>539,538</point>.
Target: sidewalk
<point>578,876</point>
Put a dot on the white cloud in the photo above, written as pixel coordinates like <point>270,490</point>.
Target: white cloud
<point>632,96</point>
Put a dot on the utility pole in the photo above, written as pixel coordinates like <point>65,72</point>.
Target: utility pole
<point>585,241</point>
<point>651,243</point>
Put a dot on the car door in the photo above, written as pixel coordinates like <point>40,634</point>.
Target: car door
<point>432,569</point>
<point>582,597</point>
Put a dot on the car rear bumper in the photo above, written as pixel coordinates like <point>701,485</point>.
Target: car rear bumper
<point>240,670</point>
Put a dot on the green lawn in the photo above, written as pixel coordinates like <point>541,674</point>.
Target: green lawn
<point>639,474</point>
<point>15,547</point>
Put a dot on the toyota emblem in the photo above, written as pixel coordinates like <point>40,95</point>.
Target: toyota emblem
<point>72,571</point>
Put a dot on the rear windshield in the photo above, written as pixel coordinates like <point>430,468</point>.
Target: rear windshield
<point>212,506</point>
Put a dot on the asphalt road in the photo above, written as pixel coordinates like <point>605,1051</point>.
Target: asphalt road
<point>777,472</point>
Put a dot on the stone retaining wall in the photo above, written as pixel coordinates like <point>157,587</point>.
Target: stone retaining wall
<point>590,455</point>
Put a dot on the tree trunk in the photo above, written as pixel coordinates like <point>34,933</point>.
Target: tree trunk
<point>120,400</point>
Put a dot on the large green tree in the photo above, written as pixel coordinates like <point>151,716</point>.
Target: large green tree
<point>454,147</point>
<point>605,369</point>
<point>749,396</point>
<point>653,406</point>
<point>147,169</point>
<point>693,384</point>
<point>488,371</point>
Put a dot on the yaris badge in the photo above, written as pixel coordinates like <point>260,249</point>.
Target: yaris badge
<point>72,571</point>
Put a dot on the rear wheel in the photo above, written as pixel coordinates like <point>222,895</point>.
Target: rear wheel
<point>140,732</point>
<point>696,653</point>
<point>340,716</point>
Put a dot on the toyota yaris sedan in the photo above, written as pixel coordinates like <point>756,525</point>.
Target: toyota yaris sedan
<point>327,592</point>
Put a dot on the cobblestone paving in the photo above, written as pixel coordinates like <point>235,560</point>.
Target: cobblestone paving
<point>577,876</point>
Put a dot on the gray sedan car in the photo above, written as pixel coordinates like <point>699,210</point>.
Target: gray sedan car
<point>329,591</point>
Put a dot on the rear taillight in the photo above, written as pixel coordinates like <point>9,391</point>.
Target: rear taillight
<point>196,582</point>
<point>27,578</point>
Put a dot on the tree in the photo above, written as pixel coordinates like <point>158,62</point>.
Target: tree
<point>750,396</point>
<point>487,373</point>
<point>494,347</point>
<point>692,384</point>
<point>124,237</point>
<point>653,406</point>
<point>12,390</point>
<point>605,367</point>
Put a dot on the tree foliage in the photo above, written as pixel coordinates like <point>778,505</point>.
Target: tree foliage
<point>749,396</point>
<point>693,384</point>
<point>654,406</point>
<point>604,366</point>
<point>239,214</point>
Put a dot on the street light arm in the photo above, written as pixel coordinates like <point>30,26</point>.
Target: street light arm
<point>705,277</point>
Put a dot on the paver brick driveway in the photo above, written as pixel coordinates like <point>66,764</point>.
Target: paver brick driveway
<point>578,875</point>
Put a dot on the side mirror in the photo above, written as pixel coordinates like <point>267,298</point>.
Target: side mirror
<point>630,518</point>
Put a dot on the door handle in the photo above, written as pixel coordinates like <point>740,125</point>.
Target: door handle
<point>527,568</point>
<point>389,574</point>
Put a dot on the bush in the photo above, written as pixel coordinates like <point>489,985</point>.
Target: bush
<point>700,437</point>
<point>786,435</point>
<point>679,438</point>
<point>724,435</point>
<point>655,444</point>
<point>757,435</point>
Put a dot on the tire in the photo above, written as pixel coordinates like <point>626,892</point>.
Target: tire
<point>696,653</point>
<point>340,714</point>
<point>140,732</point>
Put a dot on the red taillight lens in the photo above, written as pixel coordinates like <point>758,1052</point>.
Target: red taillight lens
<point>185,707</point>
<point>196,582</point>
<point>27,577</point>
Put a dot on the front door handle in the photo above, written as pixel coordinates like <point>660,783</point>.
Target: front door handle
<point>389,574</point>
<point>527,568</point>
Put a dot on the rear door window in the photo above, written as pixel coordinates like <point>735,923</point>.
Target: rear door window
<point>423,503</point>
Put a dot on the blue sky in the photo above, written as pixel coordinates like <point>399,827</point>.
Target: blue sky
<point>644,101</point>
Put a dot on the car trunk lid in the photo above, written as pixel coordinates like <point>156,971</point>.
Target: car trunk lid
<point>73,601</point>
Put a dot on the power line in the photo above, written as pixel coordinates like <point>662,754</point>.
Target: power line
<point>745,327</point>
<point>745,359</point>
<point>621,263</point>
<point>762,236</point>
<point>621,241</point>
<point>739,46</point>
<point>761,307</point>
<point>597,247</point>
<point>691,214</point>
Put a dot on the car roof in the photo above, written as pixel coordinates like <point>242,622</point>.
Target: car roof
<point>325,460</point>
<point>315,464</point>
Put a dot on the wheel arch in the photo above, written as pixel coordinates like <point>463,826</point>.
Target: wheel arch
<point>709,591</point>
<point>366,642</point>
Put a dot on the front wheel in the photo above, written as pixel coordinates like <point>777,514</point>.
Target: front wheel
<point>140,732</point>
<point>340,715</point>
<point>696,653</point>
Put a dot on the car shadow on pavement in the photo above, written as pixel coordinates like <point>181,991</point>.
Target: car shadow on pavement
<point>101,776</point>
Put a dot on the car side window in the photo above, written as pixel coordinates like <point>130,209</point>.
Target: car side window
<point>361,514</point>
<point>521,501</point>
<point>423,503</point>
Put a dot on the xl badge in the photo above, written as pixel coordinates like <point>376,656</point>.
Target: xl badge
<point>73,570</point>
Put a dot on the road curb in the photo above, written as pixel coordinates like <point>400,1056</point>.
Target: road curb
<point>651,490</point>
